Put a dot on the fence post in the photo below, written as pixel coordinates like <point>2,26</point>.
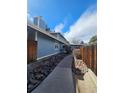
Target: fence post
<point>82,53</point>
<point>95,59</point>
<point>89,57</point>
<point>92,58</point>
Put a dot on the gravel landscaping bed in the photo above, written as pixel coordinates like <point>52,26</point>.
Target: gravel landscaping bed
<point>38,71</point>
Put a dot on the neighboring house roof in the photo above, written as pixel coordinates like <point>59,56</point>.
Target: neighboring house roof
<point>57,33</point>
<point>46,33</point>
<point>76,44</point>
<point>85,44</point>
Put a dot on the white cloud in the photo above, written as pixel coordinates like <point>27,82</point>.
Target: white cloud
<point>84,28</point>
<point>59,27</point>
<point>29,17</point>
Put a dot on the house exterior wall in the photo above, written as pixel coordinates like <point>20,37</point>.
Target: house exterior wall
<point>30,33</point>
<point>46,45</point>
<point>61,37</point>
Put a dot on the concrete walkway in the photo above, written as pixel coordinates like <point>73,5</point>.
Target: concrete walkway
<point>60,79</point>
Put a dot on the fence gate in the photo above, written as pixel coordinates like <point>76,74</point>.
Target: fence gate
<point>31,50</point>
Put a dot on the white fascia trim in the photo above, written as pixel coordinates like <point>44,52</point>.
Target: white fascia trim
<point>47,56</point>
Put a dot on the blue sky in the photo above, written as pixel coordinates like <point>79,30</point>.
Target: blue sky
<point>61,15</point>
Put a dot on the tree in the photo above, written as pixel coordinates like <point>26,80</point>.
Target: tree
<point>82,42</point>
<point>93,39</point>
<point>75,41</point>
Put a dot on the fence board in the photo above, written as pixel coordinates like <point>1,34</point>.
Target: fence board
<point>31,51</point>
<point>89,56</point>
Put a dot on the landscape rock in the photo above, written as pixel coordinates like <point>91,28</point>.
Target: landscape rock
<point>38,71</point>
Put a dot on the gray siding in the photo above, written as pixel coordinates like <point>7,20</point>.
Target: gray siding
<point>30,33</point>
<point>46,45</point>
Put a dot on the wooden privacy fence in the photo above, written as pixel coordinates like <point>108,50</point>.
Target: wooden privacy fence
<point>89,56</point>
<point>31,50</point>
